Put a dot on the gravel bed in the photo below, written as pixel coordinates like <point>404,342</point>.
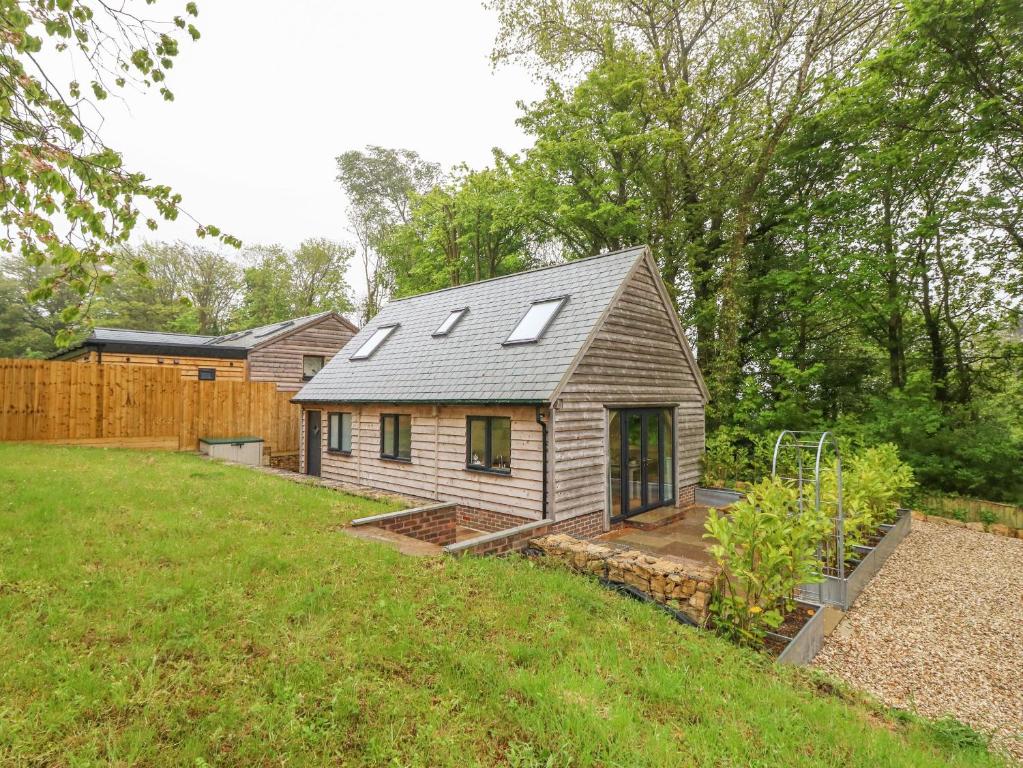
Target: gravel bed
<point>940,631</point>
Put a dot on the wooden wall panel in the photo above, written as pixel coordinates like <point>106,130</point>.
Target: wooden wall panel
<point>87,403</point>
<point>635,360</point>
<point>187,367</point>
<point>437,469</point>
<point>281,360</point>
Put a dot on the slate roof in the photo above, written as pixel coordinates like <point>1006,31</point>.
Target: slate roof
<point>471,365</point>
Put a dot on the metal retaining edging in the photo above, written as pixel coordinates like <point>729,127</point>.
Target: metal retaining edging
<point>831,591</point>
<point>807,642</point>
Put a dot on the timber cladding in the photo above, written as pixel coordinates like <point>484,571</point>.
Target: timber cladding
<point>186,367</point>
<point>137,406</point>
<point>437,469</point>
<point>634,360</point>
<point>281,359</point>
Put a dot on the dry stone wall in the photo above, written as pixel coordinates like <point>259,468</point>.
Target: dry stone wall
<point>684,585</point>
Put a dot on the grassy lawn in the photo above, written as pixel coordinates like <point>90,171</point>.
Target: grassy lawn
<point>164,610</point>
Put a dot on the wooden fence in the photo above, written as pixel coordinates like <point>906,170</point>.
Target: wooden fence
<point>971,510</point>
<point>138,406</point>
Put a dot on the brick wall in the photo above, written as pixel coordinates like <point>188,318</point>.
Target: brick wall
<point>516,540</point>
<point>686,496</point>
<point>288,461</point>
<point>435,524</point>
<point>585,526</point>
<point>487,520</point>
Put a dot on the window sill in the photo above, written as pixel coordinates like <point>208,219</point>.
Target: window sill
<point>337,452</point>
<point>397,459</point>
<point>485,471</point>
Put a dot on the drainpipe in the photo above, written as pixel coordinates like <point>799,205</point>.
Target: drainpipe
<point>543,427</point>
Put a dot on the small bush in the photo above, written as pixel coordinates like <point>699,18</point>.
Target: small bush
<point>874,483</point>
<point>766,549</point>
<point>987,517</point>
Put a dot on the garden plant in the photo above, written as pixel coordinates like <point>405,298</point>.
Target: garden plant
<point>766,548</point>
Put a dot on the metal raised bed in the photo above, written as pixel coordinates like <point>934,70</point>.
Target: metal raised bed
<point>842,592</point>
<point>808,640</point>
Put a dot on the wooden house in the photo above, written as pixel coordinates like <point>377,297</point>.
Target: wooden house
<point>289,353</point>
<point>567,393</point>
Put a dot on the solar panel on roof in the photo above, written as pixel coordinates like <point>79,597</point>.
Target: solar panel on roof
<point>279,327</point>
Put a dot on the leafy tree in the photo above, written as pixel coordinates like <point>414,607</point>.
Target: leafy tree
<point>282,284</point>
<point>67,202</point>
<point>380,184</point>
<point>28,328</point>
<point>471,227</point>
<point>724,88</point>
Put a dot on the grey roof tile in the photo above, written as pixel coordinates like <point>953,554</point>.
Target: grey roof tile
<point>472,364</point>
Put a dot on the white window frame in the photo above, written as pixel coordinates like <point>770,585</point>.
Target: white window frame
<point>374,342</point>
<point>513,337</point>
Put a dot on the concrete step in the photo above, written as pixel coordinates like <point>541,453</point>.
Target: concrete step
<point>655,518</point>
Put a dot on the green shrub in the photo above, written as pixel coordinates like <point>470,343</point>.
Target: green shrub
<point>987,517</point>
<point>874,483</point>
<point>766,549</point>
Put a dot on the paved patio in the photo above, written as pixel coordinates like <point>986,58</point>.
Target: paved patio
<point>682,538</point>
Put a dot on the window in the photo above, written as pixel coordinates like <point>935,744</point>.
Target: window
<point>369,346</point>
<point>537,319</point>
<point>488,444</point>
<point>311,365</point>
<point>396,436</point>
<point>207,374</point>
<point>339,432</point>
<point>450,322</point>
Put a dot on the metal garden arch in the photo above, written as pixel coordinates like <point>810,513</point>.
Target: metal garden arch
<point>800,457</point>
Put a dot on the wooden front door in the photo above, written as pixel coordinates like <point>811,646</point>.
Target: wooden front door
<point>312,443</point>
<point>641,461</point>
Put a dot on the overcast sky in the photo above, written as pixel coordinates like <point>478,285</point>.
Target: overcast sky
<point>273,92</point>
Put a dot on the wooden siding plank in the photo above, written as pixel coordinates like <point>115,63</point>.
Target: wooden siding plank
<point>635,359</point>
<point>281,361</point>
<point>438,457</point>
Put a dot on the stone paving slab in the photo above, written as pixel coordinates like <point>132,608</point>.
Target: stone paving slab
<point>404,544</point>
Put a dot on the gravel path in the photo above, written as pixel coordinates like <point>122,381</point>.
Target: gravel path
<point>940,630</point>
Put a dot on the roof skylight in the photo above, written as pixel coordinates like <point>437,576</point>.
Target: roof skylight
<point>535,322</point>
<point>369,346</point>
<point>450,321</point>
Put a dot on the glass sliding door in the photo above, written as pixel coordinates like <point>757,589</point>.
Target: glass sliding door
<point>641,467</point>
<point>614,469</point>
<point>668,454</point>
<point>635,470</point>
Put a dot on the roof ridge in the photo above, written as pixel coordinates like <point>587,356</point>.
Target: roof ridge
<point>520,274</point>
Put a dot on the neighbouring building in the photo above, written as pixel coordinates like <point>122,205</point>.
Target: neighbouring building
<point>567,393</point>
<point>289,353</point>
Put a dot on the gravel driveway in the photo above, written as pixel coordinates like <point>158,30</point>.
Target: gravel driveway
<point>940,630</point>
